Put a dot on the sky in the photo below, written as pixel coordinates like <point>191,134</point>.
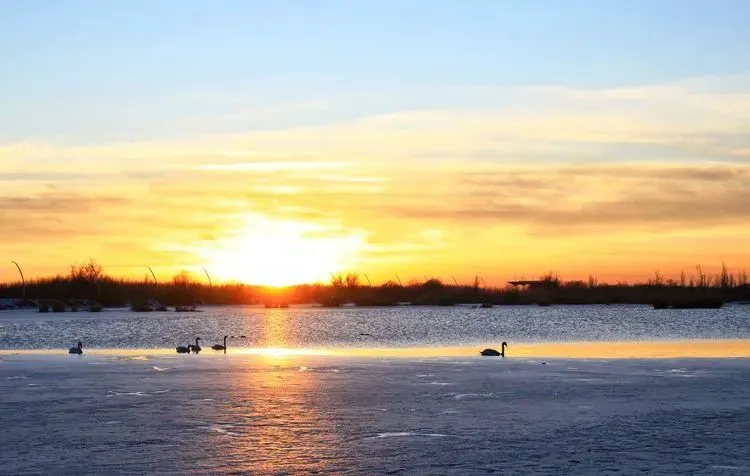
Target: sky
<point>279,142</point>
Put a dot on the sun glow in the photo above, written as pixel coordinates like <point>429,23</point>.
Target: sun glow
<point>282,253</point>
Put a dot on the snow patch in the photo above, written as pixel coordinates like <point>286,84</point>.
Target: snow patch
<point>399,434</point>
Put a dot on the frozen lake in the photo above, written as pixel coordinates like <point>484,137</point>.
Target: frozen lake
<point>301,414</point>
<point>585,389</point>
<point>386,327</point>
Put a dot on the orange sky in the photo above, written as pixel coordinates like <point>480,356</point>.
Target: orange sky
<point>618,183</point>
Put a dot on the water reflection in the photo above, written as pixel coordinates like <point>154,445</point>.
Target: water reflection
<point>275,329</point>
<point>276,352</point>
<point>577,350</point>
<point>637,350</point>
<point>277,422</point>
<point>369,327</point>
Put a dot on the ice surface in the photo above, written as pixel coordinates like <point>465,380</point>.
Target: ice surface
<point>305,392</point>
<point>260,414</point>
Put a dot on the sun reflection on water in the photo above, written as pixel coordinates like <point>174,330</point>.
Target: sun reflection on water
<point>276,332</point>
<point>280,422</point>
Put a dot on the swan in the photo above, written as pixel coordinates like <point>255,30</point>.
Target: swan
<point>221,347</point>
<point>76,350</point>
<point>494,353</point>
<point>196,348</point>
<point>183,349</point>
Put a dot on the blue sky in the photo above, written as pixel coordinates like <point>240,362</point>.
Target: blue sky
<point>90,71</point>
<point>414,135</point>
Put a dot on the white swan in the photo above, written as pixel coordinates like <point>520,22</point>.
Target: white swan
<point>221,347</point>
<point>196,348</point>
<point>76,350</point>
<point>494,353</point>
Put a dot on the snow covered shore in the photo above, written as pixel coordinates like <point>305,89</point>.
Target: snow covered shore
<point>169,414</point>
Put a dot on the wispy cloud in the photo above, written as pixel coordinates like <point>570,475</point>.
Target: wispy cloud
<point>531,174</point>
<point>270,166</point>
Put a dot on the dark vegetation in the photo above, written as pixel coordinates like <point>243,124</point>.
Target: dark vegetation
<point>87,287</point>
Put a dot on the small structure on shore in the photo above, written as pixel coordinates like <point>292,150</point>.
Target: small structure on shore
<point>190,308</point>
<point>533,284</point>
<point>149,306</point>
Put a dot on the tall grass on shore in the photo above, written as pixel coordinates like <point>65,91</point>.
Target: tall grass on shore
<point>90,282</point>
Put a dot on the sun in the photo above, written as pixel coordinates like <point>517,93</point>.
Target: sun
<point>282,253</point>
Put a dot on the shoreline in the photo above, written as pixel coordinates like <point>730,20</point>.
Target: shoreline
<point>643,349</point>
<point>354,305</point>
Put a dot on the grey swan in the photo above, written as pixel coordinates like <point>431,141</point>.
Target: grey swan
<point>221,347</point>
<point>76,350</point>
<point>196,348</point>
<point>494,353</point>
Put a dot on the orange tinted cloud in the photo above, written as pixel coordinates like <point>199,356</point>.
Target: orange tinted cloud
<point>618,183</point>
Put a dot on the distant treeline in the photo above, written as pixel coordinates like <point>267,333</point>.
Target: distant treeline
<point>89,282</point>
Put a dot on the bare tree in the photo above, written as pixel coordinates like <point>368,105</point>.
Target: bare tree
<point>183,278</point>
<point>703,279</point>
<point>724,280</point>
<point>338,280</point>
<point>91,272</point>
<point>551,278</point>
<point>351,280</point>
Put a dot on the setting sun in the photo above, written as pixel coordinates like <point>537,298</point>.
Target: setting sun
<point>281,253</point>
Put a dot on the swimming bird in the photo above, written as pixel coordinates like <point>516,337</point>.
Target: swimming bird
<point>221,347</point>
<point>196,348</point>
<point>183,349</point>
<point>494,353</point>
<point>76,350</point>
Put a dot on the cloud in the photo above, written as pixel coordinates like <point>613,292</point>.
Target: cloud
<point>56,203</point>
<point>274,166</point>
<point>424,216</point>
<point>699,119</point>
<point>523,167</point>
<point>591,199</point>
<point>41,176</point>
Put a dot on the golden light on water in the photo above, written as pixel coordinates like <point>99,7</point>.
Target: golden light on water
<point>281,352</point>
<point>283,425</point>
<point>282,253</point>
<point>682,349</point>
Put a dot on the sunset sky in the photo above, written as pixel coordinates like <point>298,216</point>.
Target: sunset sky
<point>278,142</point>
